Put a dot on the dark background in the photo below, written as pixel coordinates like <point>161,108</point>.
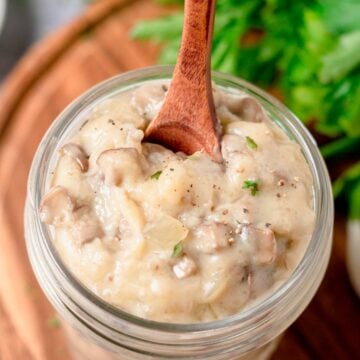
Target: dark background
<point>27,21</point>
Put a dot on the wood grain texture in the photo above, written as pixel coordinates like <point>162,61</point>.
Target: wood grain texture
<point>56,71</point>
<point>187,120</point>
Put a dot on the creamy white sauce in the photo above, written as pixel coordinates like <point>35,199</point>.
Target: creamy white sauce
<point>179,238</point>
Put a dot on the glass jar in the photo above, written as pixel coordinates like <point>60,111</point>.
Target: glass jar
<point>98,331</point>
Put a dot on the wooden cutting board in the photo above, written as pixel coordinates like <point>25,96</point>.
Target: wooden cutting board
<point>54,72</point>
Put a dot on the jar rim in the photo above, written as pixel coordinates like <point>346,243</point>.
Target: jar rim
<point>322,197</point>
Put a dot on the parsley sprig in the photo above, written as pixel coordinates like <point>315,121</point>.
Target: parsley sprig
<point>178,250</point>
<point>252,185</point>
<point>250,142</point>
<point>156,175</point>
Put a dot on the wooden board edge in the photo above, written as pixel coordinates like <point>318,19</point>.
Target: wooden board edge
<point>46,53</point>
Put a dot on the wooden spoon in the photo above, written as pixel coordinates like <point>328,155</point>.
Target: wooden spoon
<point>187,120</point>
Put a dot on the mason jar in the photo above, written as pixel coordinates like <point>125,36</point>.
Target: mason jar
<point>99,331</point>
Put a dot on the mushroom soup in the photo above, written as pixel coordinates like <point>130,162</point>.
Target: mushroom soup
<point>178,238</point>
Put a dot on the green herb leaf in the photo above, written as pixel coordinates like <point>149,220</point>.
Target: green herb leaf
<point>340,147</point>
<point>354,201</point>
<point>178,250</point>
<point>156,175</point>
<point>348,179</point>
<point>163,29</point>
<point>344,58</point>
<point>252,185</point>
<point>251,143</point>
<point>341,15</point>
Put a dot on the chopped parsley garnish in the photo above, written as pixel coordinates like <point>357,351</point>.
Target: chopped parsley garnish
<point>251,143</point>
<point>178,250</point>
<point>156,175</point>
<point>252,185</point>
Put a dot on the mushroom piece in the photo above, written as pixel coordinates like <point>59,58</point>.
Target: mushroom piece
<point>234,293</point>
<point>148,99</point>
<point>259,281</point>
<point>262,243</point>
<point>231,145</point>
<point>213,237</point>
<point>247,108</point>
<point>76,152</point>
<point>185,267</point>
<point>155,153</point>
<point>85,227</point>
<point>118,164</point>
<point>57,207</point>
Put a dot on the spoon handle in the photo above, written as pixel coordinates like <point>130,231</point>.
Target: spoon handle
<point>195,51</point>
<point>187,120</point>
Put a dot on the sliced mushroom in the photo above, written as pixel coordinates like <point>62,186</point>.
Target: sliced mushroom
<point>85,227</point>
<point>247,108</point>
<point>213,237</point>
<point>232,144</point>
<point>262,242</point>
<point>236,292</point>
<point>185,267</point>
<point>148,99</point>
<point>118,164</point>
<point>76,152</point>
<point>156,154</point>
<point>57,207</point>
<point>260,280</point>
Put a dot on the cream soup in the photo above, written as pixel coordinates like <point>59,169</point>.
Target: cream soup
<point>178,238</point>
